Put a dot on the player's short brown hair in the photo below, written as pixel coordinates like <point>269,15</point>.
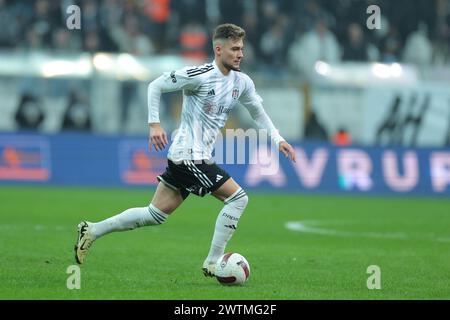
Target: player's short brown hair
<point>228,31</point>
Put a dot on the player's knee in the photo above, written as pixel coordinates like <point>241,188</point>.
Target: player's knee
<point>244,200</point>
<point>167,208</point>
<point>241,202</point>
<point>166,199</point>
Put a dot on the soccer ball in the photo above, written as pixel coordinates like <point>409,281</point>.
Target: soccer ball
<point>232,269</point>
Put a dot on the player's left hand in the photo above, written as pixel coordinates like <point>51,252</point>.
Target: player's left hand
<point>287,150</point>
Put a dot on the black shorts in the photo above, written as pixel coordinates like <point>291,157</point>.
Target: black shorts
<point>197,177</point>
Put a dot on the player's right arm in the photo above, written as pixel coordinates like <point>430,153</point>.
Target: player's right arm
<point>167,82</point>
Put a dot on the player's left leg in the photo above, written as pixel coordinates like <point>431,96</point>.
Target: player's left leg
<point>235,200</point>
<point>164,202</point>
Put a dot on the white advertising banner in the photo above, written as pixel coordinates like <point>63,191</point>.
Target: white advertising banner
<point>406,116</point>
<point>397,115</point>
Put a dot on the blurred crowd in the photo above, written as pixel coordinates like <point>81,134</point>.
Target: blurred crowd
<point>281,34</point>
<point>283,37</point>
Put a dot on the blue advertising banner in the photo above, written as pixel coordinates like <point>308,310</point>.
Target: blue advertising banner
<point>90,160</point>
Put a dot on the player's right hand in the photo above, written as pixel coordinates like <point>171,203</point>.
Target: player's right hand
<point>157,137</point>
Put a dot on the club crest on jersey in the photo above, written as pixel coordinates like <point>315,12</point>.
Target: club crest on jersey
<point>235,93</point>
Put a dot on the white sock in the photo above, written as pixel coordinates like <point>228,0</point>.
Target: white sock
<point>226,224</point>
<point>129,220</point>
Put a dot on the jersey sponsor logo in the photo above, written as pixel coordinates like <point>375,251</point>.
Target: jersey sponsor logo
<point>235,93</point>
<point>209,108</point>
<point>223,109</point>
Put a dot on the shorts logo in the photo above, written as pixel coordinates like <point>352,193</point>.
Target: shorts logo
<point>235,93</point>
<point>218,177</point>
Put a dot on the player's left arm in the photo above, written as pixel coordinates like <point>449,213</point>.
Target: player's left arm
<point>253,102</point>
<point>287,150</point>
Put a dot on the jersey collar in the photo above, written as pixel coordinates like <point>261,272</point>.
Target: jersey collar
<point>218,70</point>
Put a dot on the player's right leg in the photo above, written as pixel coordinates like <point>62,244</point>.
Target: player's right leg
<point>164,202</point>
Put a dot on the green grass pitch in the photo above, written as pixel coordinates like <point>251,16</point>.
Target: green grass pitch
<point>408,238</point>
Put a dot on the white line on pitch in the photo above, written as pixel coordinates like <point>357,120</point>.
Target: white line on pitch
<point>305,227</point>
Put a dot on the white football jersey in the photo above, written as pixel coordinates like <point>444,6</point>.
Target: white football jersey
<point>208,98</point>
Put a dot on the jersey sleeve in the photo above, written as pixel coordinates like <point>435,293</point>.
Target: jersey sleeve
<point>253,102</point>
<point>168,82</point>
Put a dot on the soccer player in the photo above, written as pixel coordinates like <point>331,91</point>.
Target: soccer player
<point>209,93</point>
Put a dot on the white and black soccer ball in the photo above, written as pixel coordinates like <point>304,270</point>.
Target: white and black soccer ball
<point>232,269</point>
